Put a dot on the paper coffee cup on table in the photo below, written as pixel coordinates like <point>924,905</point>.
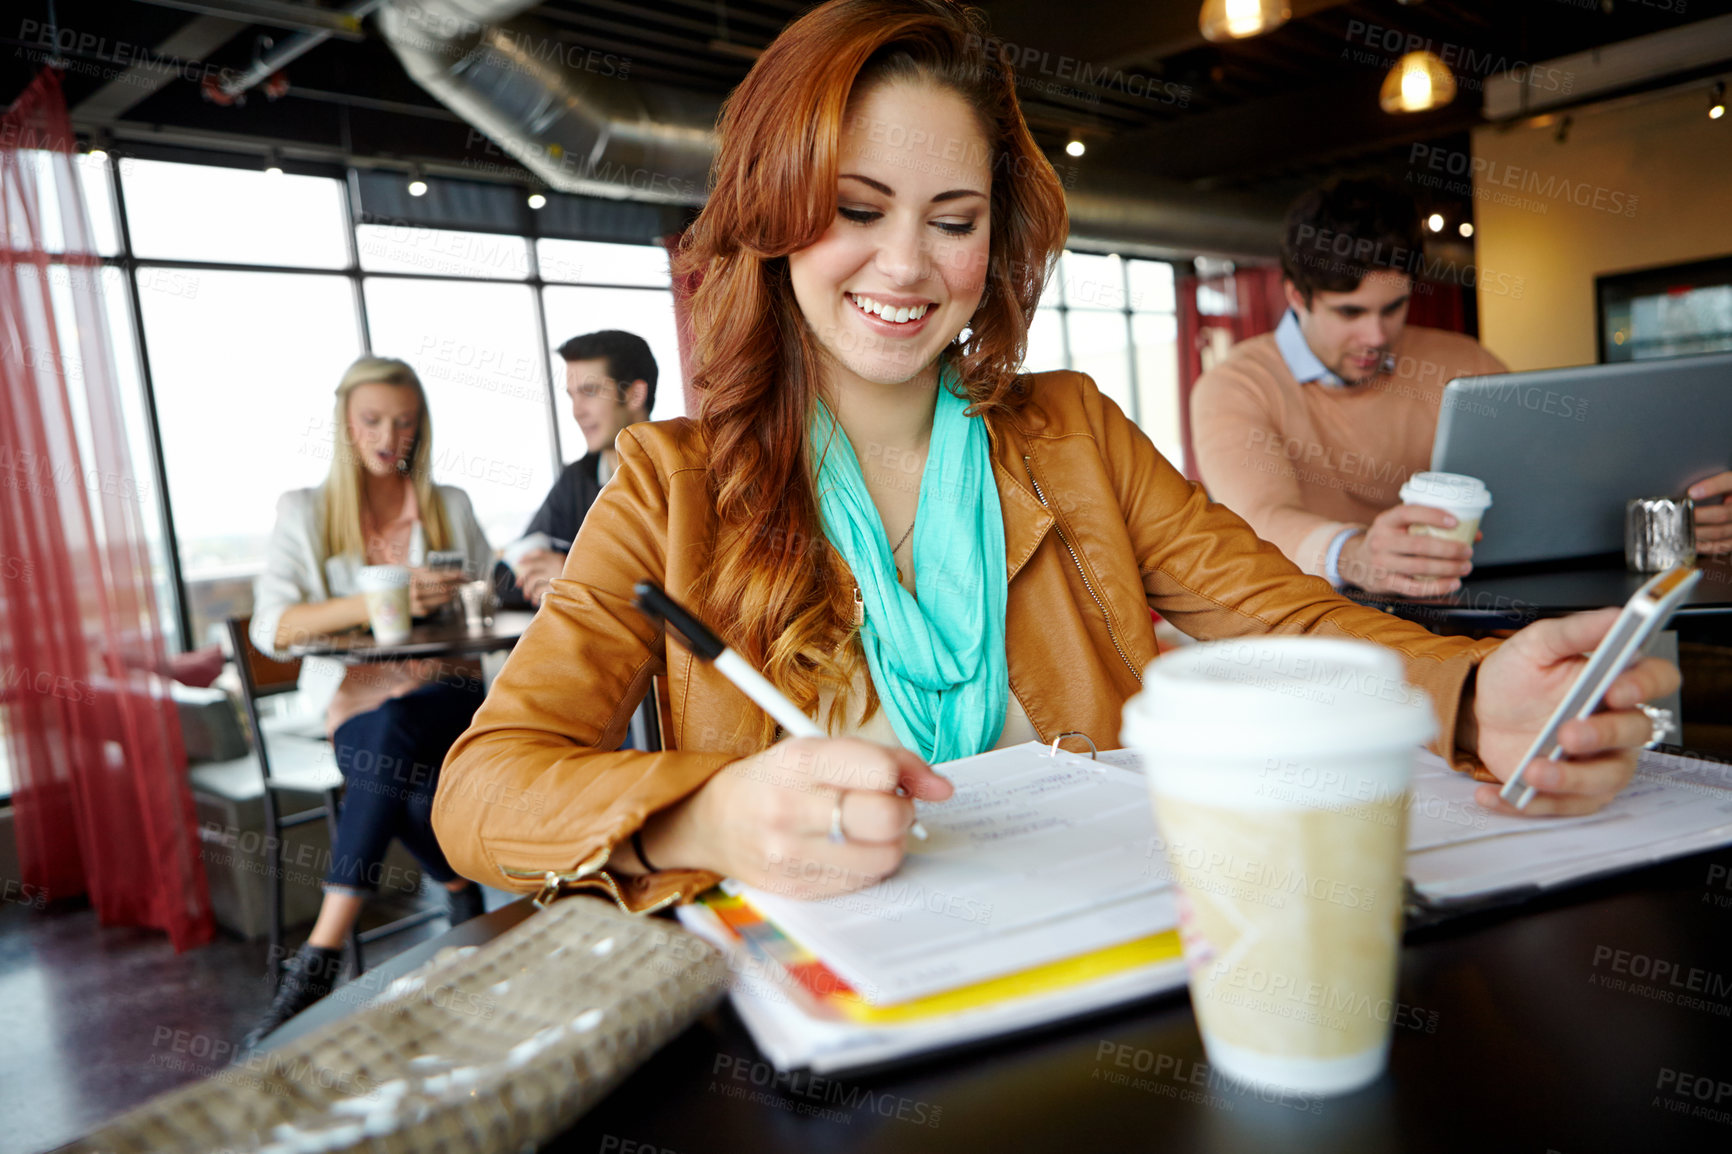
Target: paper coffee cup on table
<point>387,591</point>
<point>1466,498</point>
<point>1279,768</point>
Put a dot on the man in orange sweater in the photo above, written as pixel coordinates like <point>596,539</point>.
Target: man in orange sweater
<point>1309,432</point>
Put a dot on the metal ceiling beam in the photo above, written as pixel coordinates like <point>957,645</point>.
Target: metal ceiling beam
<point>1608,69</point>
<point>282,55</point>
<point>189,45</point>
<point>276,13</point>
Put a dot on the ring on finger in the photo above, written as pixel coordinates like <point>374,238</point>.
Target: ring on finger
<point>837,837</point>
<point>1661,721</point>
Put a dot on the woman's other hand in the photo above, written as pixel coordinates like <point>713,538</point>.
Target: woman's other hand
<point>1521,683</point>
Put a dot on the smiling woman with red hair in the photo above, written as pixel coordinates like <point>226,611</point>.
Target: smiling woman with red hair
<point>933,553</point>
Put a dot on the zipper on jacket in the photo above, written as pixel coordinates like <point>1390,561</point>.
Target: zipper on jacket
<point>588,875</point>
<point>553,881</point>
<point>1081,572</point>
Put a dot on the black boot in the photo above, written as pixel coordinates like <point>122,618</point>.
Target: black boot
<point>466,903</point>
<point>307,977</point>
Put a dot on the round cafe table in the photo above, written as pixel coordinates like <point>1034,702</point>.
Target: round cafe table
<point>429,639</point>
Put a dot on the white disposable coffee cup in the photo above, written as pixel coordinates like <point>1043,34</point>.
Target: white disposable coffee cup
<point>387,591</point>
<point>1279,769</point>
<point>1464,497</point>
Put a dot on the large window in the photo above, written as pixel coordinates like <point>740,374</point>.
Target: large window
<point>479,358</point>
<point>233,215</point>
<point>256,290</point>
<point>243,365</point>
<point>1114,319</point>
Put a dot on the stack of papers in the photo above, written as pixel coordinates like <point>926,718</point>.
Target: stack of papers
<point>1036,858</point>
<point>1458,853</point>
<point>1040,896</point>
<point>1037,896</point>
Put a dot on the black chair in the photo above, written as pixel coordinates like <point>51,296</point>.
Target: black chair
<point>261,676</point>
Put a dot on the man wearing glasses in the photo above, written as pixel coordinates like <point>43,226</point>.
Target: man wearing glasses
<point>610,377</point>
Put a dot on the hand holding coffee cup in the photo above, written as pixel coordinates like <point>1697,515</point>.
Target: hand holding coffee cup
<point>1464,498</point>
<point>1392,557</point>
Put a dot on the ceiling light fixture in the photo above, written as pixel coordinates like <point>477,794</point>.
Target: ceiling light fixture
<point>417,183</point>
<point>1717,100</point>
<point>1075,148</point>
<point>1435,222</point>
<point>1238,19</point>
<point>273,162</point>
<point>1419,82</point>
<point>1466,228</point>
<point>537,200</point>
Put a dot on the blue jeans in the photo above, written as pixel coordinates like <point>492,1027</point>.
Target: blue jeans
<point>390,758</point>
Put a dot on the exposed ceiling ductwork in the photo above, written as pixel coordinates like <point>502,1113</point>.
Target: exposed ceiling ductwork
<point>580,125</point>
<point>1135,214</point>
<point>583,126</point>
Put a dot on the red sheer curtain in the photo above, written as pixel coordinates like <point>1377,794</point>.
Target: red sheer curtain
<point>1216,312</point>
<point>100,796</point>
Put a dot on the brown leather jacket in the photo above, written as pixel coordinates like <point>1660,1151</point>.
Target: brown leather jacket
<point>1098,527</point>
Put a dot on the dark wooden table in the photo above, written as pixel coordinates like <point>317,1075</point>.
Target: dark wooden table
<point>1541,1027</point>
<point>1511,596</point>
<point>430,639</point>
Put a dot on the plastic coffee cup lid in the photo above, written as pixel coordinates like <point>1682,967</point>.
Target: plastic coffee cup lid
<point>1453,489</point>
<point>1266,696</point>
<point>380,577</point>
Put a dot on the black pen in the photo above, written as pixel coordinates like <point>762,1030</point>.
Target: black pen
<point>657,605</point>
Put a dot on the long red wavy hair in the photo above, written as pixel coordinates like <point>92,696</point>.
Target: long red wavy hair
<point>777,590</point>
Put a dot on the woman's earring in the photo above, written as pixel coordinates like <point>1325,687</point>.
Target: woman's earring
<point>403,466</point>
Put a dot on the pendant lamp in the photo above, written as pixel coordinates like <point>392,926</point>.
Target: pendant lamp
<point>1418,82</point>
<point>1237,19</point>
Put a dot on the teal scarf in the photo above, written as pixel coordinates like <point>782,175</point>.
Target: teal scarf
<point>938,663</point>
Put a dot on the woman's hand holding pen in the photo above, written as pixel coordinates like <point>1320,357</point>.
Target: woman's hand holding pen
<point>767,819</point>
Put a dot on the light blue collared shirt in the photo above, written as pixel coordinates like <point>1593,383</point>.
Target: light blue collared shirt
<point>1304,364</point>
<point>1306,367</point>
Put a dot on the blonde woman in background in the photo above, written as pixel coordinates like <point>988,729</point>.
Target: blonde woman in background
<point>389,723</point>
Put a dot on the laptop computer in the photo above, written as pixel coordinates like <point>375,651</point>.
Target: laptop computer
<point>1562,449</point>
